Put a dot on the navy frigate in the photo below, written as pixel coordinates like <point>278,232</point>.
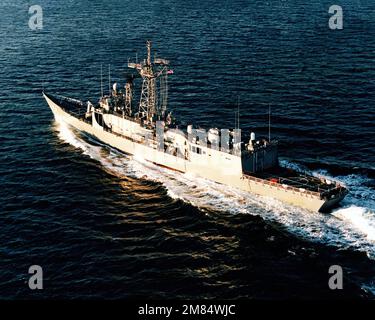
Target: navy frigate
<point>148,130</point>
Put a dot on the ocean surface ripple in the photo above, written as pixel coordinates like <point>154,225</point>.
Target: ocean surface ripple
<point>106,225</point>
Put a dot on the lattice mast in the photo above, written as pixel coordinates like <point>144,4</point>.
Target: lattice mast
<point>153,99</point>
<point>128,95</point>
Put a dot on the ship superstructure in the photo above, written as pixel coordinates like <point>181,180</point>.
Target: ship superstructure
<point>149,130</point>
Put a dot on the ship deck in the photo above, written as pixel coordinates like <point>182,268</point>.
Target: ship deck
<point>72,106</point>
<point>298,181</point>
<point>284,177</point>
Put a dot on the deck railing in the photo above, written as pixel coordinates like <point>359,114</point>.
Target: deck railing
<point>283,186</point>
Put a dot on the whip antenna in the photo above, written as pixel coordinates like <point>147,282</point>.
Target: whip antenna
<point>269,123</point>
<point>101,79</point>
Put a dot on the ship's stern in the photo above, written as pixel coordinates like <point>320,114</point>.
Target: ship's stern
<point>333,198</point>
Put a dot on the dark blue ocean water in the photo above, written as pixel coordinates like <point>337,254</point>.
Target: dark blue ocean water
<point>103,225</point>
